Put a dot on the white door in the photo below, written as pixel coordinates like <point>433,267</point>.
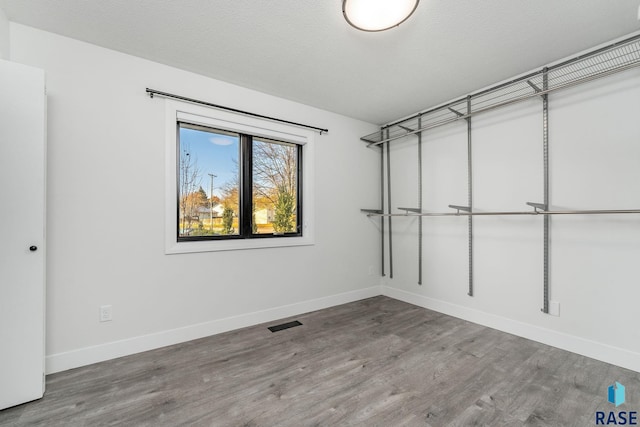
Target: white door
<point>22,237</point>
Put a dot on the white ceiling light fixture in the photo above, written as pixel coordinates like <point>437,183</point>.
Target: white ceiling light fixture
<point>377,15</point>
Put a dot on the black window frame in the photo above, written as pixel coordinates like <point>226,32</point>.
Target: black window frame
<point>245,190</point>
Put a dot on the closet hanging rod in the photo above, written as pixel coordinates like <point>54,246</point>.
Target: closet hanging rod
<point>505,213</point>
<point>153,92</point>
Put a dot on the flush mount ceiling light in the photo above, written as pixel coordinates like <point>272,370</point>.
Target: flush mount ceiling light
<point>377,15</point>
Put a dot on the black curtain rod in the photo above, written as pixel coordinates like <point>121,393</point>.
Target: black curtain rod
<point>153,92</point>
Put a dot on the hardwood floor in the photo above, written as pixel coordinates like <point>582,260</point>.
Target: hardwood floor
<point>375,362</point>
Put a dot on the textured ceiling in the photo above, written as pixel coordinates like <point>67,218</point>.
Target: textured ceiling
<point>303,50</point>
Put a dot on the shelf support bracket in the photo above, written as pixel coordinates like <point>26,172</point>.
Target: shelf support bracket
<point>456,112</point>
<point>372,211</point>
<point>414,210</point>
<point>536,89</point>
<point>460,208</point>
<point>538,206</point>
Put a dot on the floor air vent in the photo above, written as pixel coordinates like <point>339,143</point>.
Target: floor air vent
<point>287,325</point>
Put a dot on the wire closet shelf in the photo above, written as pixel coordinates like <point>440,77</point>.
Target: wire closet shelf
<point>599,63</point>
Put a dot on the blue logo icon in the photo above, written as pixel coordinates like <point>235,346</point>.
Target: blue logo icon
<point>616,394</point>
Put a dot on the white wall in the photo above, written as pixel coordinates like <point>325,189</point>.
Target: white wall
<point>106,174</point>
<point>4,35</point>
<point>594,164</point>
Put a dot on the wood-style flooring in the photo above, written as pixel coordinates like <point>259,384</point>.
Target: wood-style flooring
<point>375,362</point>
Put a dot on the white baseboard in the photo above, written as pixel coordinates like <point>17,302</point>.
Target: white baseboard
<point>595,350</point>
<point>88,355</point>
<point>99,353</point>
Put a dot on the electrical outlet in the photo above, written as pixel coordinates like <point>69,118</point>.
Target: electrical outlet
<point>106,313</point>
<point>554,308</point>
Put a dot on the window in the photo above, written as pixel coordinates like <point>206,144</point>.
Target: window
<point>207,156</point>
<point>276,196</point>
<point>235,182</point>
<point>253,185</point>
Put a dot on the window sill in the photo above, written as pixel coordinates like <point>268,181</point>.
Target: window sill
<point>233,245</point>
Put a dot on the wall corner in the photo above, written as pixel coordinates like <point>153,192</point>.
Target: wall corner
<point>5,35</point>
